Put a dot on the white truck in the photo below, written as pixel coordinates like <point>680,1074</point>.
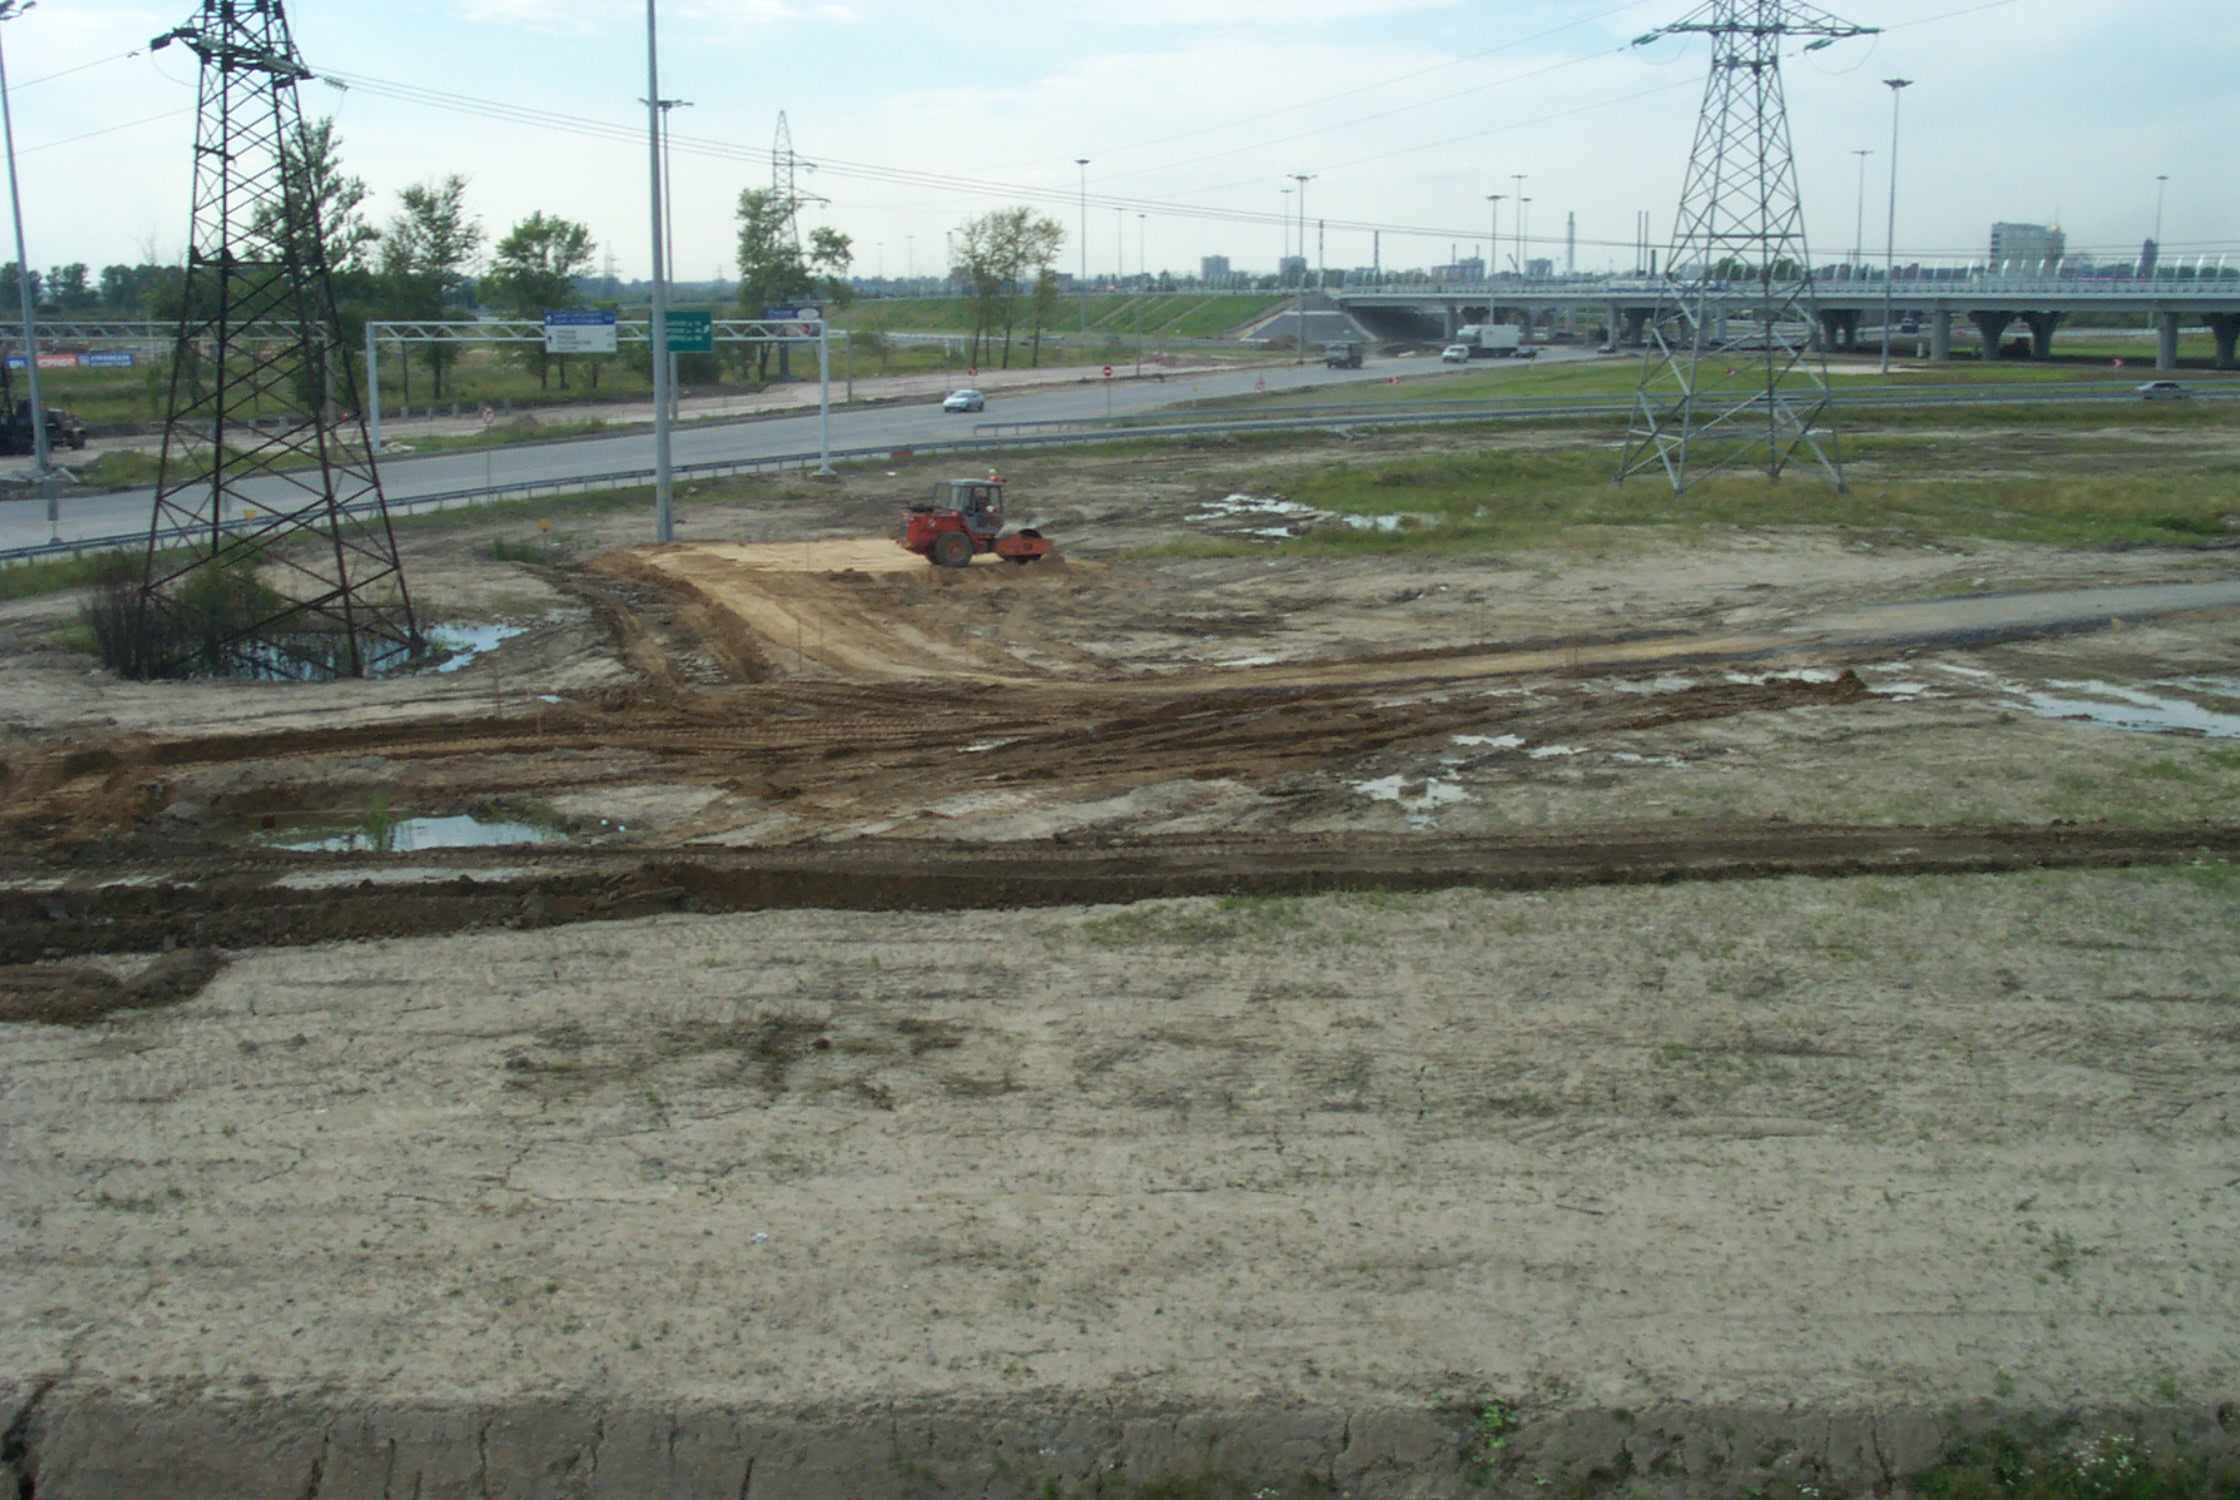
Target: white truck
<point>1491,340</point>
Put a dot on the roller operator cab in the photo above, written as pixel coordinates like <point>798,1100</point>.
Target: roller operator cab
<point>964,521</point>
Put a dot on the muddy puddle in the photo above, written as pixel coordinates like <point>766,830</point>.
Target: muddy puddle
<point>2206,706</point>
<point>461,644</point>
<point>417,835</point>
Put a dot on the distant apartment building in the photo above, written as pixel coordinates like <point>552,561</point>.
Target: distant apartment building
<point>1213,268</point>
<point>1293,270</point>
<point>1471,269</point>
<point>2027,249</point>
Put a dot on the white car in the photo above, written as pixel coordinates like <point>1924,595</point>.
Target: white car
<point>1456,354</point>
<point>965,400</point>
<point>2163,390</point>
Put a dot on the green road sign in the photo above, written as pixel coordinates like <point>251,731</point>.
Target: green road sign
<point>692,333</point>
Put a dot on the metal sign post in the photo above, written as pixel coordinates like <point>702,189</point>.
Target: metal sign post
<point>824,399</point>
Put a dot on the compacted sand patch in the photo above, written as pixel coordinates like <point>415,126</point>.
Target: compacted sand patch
<point>899,1203</point>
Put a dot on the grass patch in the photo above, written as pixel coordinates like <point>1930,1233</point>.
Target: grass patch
<point>2005,1467</point>
<point>1500,498</point>
<point>56,575</point>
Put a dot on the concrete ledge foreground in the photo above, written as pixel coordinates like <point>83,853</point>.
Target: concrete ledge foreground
<point>87,1444</point>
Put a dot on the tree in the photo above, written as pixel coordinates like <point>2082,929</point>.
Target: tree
<point>534,271</point>
<point>311,165</point>
<point>1045,306</point>
<point>774,271</point>
<point>71,287</point>
<point>1000,248</point>
<point>425,257</point>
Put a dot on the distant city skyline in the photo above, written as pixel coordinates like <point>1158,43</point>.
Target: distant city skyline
<point>1408,113</point>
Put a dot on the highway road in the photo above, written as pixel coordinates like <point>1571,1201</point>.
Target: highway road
<point>24,522</point>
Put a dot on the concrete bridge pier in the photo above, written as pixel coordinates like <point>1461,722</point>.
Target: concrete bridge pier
<point>1637,325</point>
<point>2226,326</point>
<point>1993,327</point>
<point>1839,329</point>
<point>2166,341</point>
<point>1449,310</point>
<point>2042,326</point>
<point>1940,334</point>
<point>1615,321</point>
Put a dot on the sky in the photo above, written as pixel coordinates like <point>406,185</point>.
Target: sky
<point>1194,115</point>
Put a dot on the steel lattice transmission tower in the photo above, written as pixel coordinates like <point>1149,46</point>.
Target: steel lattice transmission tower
<point>289,567</point>
<point>786,167</point>
<point>1734,384</point>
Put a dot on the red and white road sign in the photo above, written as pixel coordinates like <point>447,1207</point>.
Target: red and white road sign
<point>1108,372</point>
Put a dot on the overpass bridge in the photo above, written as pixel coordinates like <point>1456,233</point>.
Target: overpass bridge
<point>1991,304</point>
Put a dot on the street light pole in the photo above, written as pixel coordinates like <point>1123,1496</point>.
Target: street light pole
<point>2161,185</point>
<point>1302,178</point>
<point>664,510</point>
<point>1859,232</point>
<point>1898,87</point>
<point>1493,239</point>
<point>43,466</point>
<point>1518,179</point>
<point>1083,163</point>
<point>669,229</point>
<point>1142,270</point>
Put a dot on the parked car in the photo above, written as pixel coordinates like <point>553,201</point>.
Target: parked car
<point>2163,390</point>
<point>965,400</point>
<point>1456,354</point>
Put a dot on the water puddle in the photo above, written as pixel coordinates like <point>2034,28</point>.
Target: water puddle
<point>1420,798</point>
<point>1257,508</point>
<point>2155,708</point>
<point>461,644</point>
<point>412,835</point>
<point>1375,523</point>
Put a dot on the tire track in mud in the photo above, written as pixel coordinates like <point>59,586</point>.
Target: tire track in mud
<point>268,899</point>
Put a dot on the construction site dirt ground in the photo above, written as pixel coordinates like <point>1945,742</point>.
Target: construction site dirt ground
<point>1678,1187</point>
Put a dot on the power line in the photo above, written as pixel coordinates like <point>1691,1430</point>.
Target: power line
<point>1370,88</point>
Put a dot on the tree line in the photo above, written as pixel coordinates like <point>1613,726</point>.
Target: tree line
<point>428,263</point>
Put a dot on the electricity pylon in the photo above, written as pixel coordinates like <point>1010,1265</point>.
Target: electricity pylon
<point>1729,378</point>
<point>270,553</point>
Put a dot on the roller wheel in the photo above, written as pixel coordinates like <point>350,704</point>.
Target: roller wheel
<point>952,549</point>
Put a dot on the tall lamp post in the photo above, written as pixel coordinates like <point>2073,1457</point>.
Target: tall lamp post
<point>43,466</point>
<point>1859,231</point>
<point>669,232</point>
<point>1302,178</point>
<point>664,503</point>
<point>1518,179</point>
<point>1493,242</point>
<point>1083,163</point>
<point>2161,186</point>
<point>1143,269</point>
<point>1897,87</point>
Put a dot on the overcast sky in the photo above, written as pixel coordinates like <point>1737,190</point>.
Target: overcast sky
<point>1407,112</point>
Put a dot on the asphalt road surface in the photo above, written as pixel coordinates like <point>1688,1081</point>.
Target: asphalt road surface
<point>24,523</point>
